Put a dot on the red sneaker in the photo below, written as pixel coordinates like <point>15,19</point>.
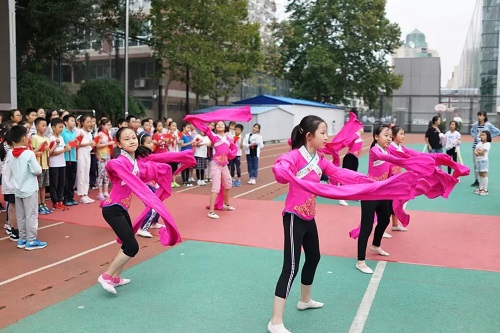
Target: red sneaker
<point>62,205</point>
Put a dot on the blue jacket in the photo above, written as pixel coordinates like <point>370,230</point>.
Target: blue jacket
<point>488,127</point>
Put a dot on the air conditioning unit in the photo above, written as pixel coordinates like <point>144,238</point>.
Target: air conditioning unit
<point>139,83</point>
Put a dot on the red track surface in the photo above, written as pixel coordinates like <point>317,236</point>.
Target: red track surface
<point>31,281</point>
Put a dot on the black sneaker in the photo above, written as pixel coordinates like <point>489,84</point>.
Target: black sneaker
<point>14,235</point>
<point>475,184</point>
<point>68,203</point>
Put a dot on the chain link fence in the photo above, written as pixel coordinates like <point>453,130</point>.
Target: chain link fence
<point>415,112</point>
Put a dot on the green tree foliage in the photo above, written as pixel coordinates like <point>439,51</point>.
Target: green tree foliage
<point>48,29</point>
<point>38,91</point>
<point>335,49</point>
<point>107,98</point>
<point>212,39</point>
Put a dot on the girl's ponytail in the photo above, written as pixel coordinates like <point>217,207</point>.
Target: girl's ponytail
<point>298,137</point>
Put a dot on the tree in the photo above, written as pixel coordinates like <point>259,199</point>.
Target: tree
<point>38,91</point>
<point>334,49</point>
<point>107,98</point>
<point>211,40</point>
<point>53,30</point>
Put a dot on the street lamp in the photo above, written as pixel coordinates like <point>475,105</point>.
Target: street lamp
<point>126,55</point>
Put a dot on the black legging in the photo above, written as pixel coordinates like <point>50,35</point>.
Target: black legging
<point>200,174</point>
<point>298,233</point>
<point>350,162</point>
<point>119,220</point>
<point>368,210</point>
<point>453,153</point>
<point>185,175</point>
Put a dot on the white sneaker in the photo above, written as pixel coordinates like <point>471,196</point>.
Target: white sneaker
<point>279,328</point>
<point>228,207</point>
<point>309,305</point>
<point>386,235</point>
<point>106,285</point>
<point>212,215</point>
<point>379,251</point>
<point>198,182</point>
<point>191,179</point>
<point>250,181</point>
<point>86,200</point>
<point>122,282</point>
<point>363,268</point>
<point>399,228</point>
<point>203,183</point>
<point>157,226</point>
<point>144,233</point>
<point>343,203</point>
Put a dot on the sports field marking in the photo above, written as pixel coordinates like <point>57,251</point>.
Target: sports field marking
<point>44,227</point>
<point>364,308</point>
<point>255,189</point>
<point>243,173</point>
<point>56,263</point>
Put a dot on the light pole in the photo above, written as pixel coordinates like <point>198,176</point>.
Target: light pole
<point>126,55</point>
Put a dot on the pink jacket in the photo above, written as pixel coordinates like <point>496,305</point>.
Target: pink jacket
<point>129,176</point>
<point>303,172</point>
<point>225,149</point>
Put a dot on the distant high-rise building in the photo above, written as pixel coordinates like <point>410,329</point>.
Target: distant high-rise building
<point>478,68</point>
<point>415,46</point>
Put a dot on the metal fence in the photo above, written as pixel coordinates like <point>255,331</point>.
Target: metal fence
<point>415,112</point>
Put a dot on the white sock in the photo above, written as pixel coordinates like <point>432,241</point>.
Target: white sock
<point>480,181</point>
<point>485,183</point>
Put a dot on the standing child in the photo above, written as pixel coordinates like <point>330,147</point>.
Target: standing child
<point>302,169</point>
<point>186,143</point>
<point>377,170</point>
<point>57,167</point>
<point>476,129</point>
<point>8,189</point>
<point>201,146</point>
<point>220,172</point>
<point>235,164</point>
<point>24,169</point>
<point>83,159</point>
<point>481,152</point>
<point>253,143</point>
<point>452,139</point>
<point>69,136</point>
<point>40,144</point>
<point>104,145</point>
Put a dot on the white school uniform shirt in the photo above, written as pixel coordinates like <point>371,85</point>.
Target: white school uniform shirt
<point>201,151</point>
<point>486,146</point>
<point>452,140</point>
<point>253,138</point>
<point>58,160</point>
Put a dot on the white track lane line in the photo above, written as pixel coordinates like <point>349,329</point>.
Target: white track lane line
<point>255,189</point>
<point>56,263</point>
<point>44,227</point>
<point>364,308</point>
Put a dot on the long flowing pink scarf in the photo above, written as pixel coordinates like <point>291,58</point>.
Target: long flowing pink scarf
<point>233,114</point>
<point>343,138</point>
<point>154,167</point>
<point>400,187</point>
<point>440,183</point>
